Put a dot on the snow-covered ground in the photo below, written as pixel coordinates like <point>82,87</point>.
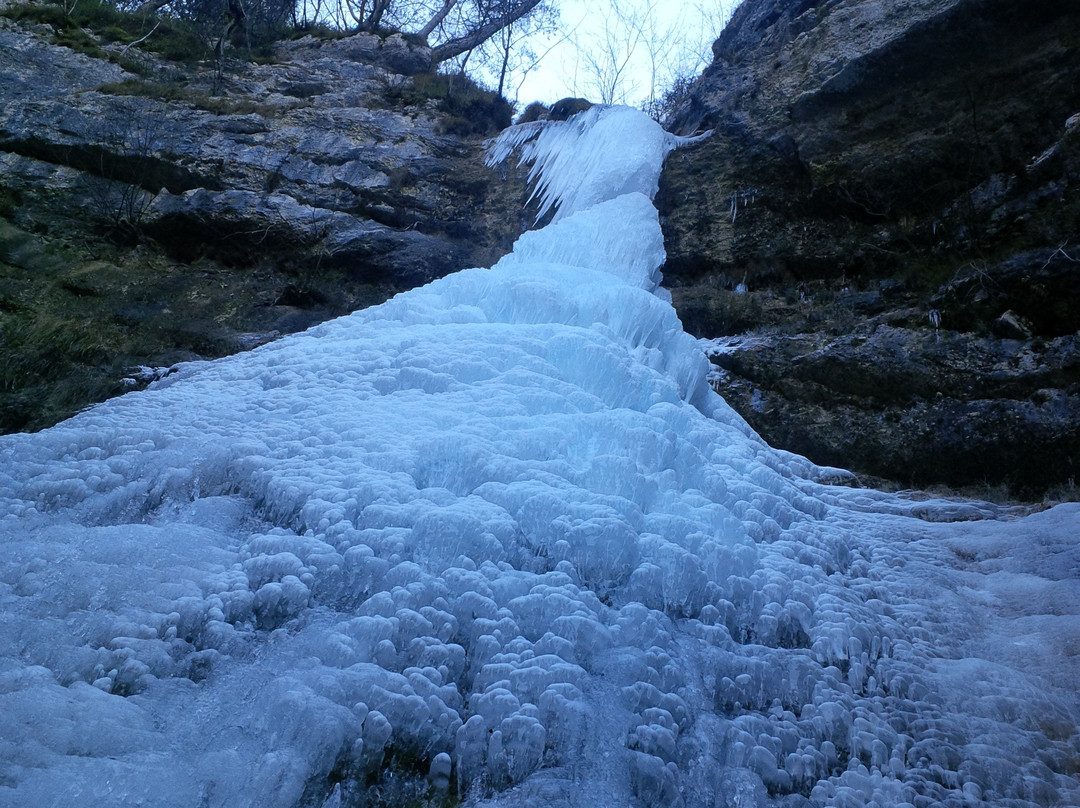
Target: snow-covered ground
<point>502,524</point>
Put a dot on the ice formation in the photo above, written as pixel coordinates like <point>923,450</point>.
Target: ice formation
<point>500,533</point>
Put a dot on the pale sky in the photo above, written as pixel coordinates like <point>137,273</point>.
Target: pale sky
<point>673,37</point>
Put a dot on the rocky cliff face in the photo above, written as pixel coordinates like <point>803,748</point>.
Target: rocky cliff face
<point>890,206</point>
<point>183,211</point>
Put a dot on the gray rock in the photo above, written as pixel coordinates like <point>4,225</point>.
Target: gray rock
<point>233,207</point>
<point>858,180</point>
<point>314,129</point>
<point>915,407</point>
<point>395,53</point>
<point>1012,326</point>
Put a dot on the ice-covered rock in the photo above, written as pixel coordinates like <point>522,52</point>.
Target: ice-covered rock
<point>500,527</point>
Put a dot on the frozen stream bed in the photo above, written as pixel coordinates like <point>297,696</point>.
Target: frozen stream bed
<point>500,528</point>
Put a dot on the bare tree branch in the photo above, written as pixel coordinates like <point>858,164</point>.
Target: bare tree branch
<point>377,11</point>
<point>437,19</point>
<point>151,6</point>
<point>141,39</point>
<point>470,40</point>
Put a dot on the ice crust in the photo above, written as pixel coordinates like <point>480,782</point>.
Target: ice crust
<point>502,525</point>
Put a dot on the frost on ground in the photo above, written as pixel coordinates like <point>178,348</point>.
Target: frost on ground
<point>501,527</point>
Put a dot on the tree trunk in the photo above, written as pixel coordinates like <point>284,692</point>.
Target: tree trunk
<point>151,6</point>
<point>455,47</point>
<point>434,22</point>
<point>377,11</point>
<point>505,58</point>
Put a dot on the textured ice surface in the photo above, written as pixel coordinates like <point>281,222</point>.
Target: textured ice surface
<point>500,528</point>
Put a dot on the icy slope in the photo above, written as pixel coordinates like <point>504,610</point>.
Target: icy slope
<point>502,525</point>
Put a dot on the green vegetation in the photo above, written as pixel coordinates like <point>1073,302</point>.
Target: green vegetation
<point>146,89</point>
<point>67,30</point>
<point>173,38</point>
<point>176,93</point>
<point>468,107</point>
<point>79,312</point>
<point>76,317</point>
<point>198,35</point>
<point>91,288</point>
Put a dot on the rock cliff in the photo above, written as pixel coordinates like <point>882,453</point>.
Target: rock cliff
<point>890,207</point>
<point>881,237</point>
<point>155,211</point>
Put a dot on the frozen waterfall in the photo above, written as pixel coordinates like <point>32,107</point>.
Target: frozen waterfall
<point>501,530</point>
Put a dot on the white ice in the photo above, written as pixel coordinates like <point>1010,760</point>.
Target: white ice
<point>500,533</point>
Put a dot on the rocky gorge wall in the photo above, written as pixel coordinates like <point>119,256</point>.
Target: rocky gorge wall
<point>888,214</point>
<point>154,211</point>
<point>881,236</point>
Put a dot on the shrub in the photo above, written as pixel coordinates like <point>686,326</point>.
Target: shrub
<point>176,93</point>
<point>662,108</point>
<point>175,39</point>
<point>534,112</point>
<point>115,33</point>
<point>468,108</point>
<point>47,14</point>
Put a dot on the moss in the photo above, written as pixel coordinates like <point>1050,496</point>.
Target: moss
<point>175,93</point>
<point>55,358</point>
<point>75,317</point>
<point>174,39</point>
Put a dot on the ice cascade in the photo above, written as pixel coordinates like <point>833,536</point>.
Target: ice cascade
<point>498,540</point>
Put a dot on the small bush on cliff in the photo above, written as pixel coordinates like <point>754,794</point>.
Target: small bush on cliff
<point>468,107</point>
<point>534,112</point>
<point>176,93</point>
<point>170,37</point>
<point>669,102</point>
<point>67,31</point>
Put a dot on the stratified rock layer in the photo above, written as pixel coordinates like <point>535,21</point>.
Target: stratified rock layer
<point>908,166</point>
<point>186,212</point>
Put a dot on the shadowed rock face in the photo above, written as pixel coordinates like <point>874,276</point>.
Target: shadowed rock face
<point>909,168</point>
<point>178,214</point>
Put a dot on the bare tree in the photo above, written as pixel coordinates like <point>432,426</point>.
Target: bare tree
<point>608,55</point>
<point>477,22</point>
<point>450,27</point>
<point>638,50</point>
<point>508,56</point>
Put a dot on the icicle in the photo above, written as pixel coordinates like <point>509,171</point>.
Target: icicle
<point>596,155</point>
